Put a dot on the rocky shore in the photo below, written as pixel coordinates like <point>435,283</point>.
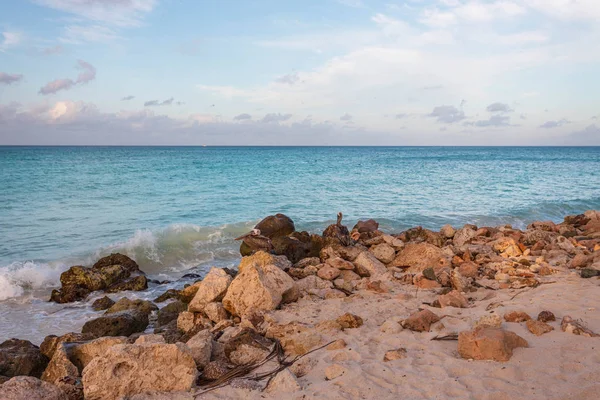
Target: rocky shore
<point>465,313</point>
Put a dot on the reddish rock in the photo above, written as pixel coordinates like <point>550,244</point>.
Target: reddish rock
<point>416,257</point>
<point>516,316</point>
<point>488,343</point>
<point>453,299</point>
<point>349,321</point>
<point>420,321</point>
<point>538,328</point>
<point>328,273</point>
<point>546,316</point>
<point>422,282</point>
<point>468,269</point>
<point>340,263</point>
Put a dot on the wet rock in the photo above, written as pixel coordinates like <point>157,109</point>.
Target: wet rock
<point>135,369</point>
<point>420,321</point>
<point>569,325</point>
<point>546,316</point>
<point>21,357</point>
<point>136,284</point>
<point>384,253</point>
<point>117,259</point>
<point>328,273</point>
<point>333,371</point>
<point>200,346</point>
<point>367,226</point>
<point>284,382</point>
<point>123,323</point>
<point>169,294</point>
<point>212,288</point>
<point>348,321</point>
<point>137,305</point>
<point>486,343</point>
<point>102,303</point>
<point>259,287</point>
<point>516,316</point>
<point>340,263</point>
<point>415,257</point>
<point>216,312</point>
<point>538,328</point>
<point>453,299</point>
<point>367,265</point>
<point>298,246</point>
<point>170,332</point>
<point>29,388</point>
<point>396,354</point>
<point>170,312</point>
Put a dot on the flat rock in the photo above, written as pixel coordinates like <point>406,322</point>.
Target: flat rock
<point>486,343</point>
<point>415,257</point>
<point>453,299</point>
<point>368,265</point>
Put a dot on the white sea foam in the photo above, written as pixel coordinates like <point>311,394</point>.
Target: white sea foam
<point>19,276</point>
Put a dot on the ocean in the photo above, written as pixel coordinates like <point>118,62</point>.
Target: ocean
<point>177,209</point>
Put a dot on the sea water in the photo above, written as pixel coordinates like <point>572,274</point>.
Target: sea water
<point>177,209</point>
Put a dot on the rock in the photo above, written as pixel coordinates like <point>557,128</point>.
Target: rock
<point>307,262</point>
<point>136,284</point>
<point>420,281</point>
<point>367,265</point>
<point>367,226</point>
<point>328,273</point>
<point>297,246</point>
<point>420,321</point>
<point>50,343</point>
<point>516,316</point>
<point>60,367</point>
<point>123,323</point>
<point>384,253</point>
<point>169,294</point>
<point>189,322</point>
<point>538,328</point>
<point>259,287</point>
<point>468,269</point>
<point>135,369</point>
<point>333,371</point>
<point>284,382</point>
<point>391,326</point>
<point>82,354</point>
<point>349,321</point>
<point>28,388</point>
<point>212,288</point>
<point>569,325</point>
<point>117,259</point>
<point>392,355</point>
<point>277,225</point>
<point>337,345</point>
<point>453,299</point>
<point>137,305</point>
<point>419,235</point>
<point>415,257</point>
<point>216,312</point>
<point>340,263</point>
<point>587,273</point>
<point>163,396</point>
<point>296,338</point>
<point>486,343</point>
<point>214,370</point>
<point>459,282</point>
<point>148,339</point>
<point>187,294</point>
<point>245,354</point>
<point>21,357</point>
<point>306,285</point>
<point>246,384</point>
<point>200,346</point>
<point>546,316</point>
<point>170,312</point>
<point>102,303</point>
<point>488,320</point>
<point>464,234</point>
<point>447,231</point>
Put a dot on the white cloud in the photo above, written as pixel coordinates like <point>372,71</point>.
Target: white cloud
<point>9,40</point>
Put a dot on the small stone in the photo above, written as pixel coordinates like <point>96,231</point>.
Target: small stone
<point>337,345</point>
<point>429,273</point>
<point>569,325</point>
<point>420,321</point>
<point>384,253</point>
<point>421,282</point>
<point>397,354</point>
<point>349,321</point>
<point>587,273</point>
<point>284,382</point>
<point>447,231</point>
<point>488,320</point>
<point>545,270</point>
<point>391,326</point>
<point>453,299</point>
<point>538,328</point>
<point>102,303</point>
<point>328,273</point>
<point>516,316</point>
<point>340,263</point>
<point>546,316</point>
<point>486,343</point>
<point>333,371</point>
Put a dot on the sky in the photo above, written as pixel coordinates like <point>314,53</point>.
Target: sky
<point>299,72</point>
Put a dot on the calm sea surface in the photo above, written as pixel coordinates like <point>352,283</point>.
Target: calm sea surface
<point>176,209</point>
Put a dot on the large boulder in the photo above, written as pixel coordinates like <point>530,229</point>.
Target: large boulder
<point>415,257</point>
<point>117,259</point>
<point>126,370</point>
<point>273,226</point>
<point>259,287</point>
<point>262,258</point>
<point>136,284</point>
<point>28,388</point>
<point>489,343</point>
<point>212,288</point>
<point>123,323</point>
<point>21,357</point>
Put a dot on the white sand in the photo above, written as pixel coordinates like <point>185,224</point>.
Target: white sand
<point>557,365</point>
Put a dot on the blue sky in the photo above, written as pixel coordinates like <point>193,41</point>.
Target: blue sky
<point>411,72</point>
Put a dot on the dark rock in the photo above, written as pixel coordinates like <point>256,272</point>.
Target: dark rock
<point>157,282</point>
<point>577,220</point>
<point>170,332</point>
<point>69,294</point>
<point>367,226</point>
<point>169,294</point>
<point>231,272</point>
<point>546,316</point>
<point>102,303</point>
<point>51,342</point>
<point>589,273</point>
<point>123,323</point>
<point>337,234</point>
<point>277,225</point>
<point>191,276</point>
<point>21,357</point>
<point>117,259</point>
<point>170,312</point>
<point>136,284</point>
<point>429,273</point>
<point>138,305</point>
<point>418,235</point>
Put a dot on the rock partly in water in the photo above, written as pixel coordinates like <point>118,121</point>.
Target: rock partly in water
<point>102,303</point>
<point>136,305</point>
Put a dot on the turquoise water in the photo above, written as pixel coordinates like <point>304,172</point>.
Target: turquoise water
<point>176,209</point>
